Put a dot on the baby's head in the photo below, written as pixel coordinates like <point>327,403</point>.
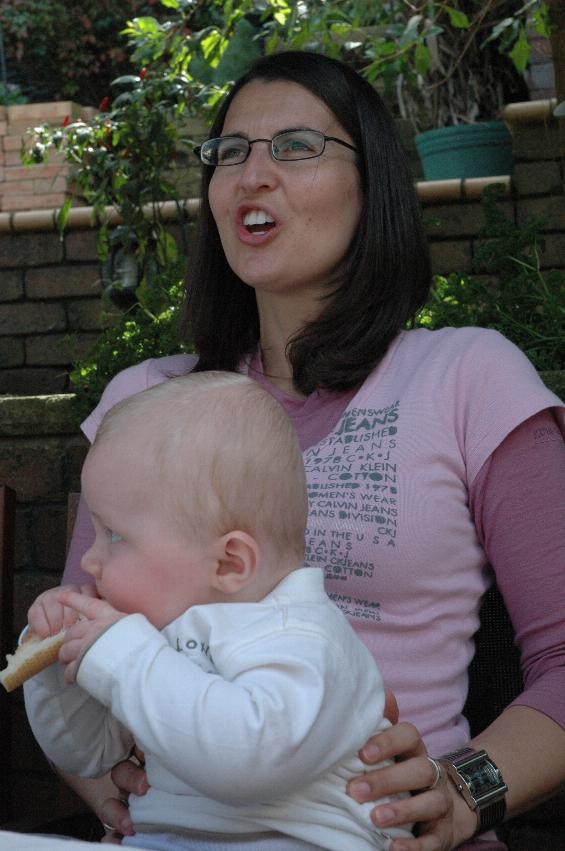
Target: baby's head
<point>212,454</point>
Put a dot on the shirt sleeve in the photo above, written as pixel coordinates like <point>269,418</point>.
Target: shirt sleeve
<point>518,507</point>
<point>276,694</point>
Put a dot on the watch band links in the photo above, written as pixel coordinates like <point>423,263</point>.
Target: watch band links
<point>479,782</point>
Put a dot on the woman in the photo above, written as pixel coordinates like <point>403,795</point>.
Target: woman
<point>311,258</point>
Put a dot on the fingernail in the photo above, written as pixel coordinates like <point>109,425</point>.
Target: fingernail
<point>383,816</point>
<point>371,753</point>
<point>143,788</point>
<point>126,827</point>
<point>361,792</point>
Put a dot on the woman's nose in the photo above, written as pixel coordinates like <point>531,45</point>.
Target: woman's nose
<point>259,169</point>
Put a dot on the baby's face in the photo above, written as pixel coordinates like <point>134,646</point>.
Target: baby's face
<point>139,559</point>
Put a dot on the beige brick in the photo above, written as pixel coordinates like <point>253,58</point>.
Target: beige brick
<point>85,315</point>
<point>34,468</point>
<point>48,532</point>
<point>553,252</point>
<point>31,318</point>
<point>81,245</point>
<point>62,282</point>
<point>550,209</point>
<point>32,381</point>
<point>30,416</point>
<point>57,349</point>
<point>3,128</point>
<point>451,256</point>
<point>453,220</point>
<point>11,352</point>
<point>539,142</point>
<point>11,284</point>
<point>536,178</point>
<point>29,249</point>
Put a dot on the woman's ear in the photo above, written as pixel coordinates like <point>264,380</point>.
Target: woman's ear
<point>238,559</point>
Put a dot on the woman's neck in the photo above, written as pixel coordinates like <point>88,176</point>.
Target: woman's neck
<point>280,320</point>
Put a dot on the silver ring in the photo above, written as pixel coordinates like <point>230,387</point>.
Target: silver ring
<point>437,778</point>
<point>108,827</point>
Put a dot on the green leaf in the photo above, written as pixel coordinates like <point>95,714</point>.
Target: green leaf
<point>171,4</point>
<point>520,53</point>
<point>457,19</point>
<point>63,215</point>
<point>422,59</point>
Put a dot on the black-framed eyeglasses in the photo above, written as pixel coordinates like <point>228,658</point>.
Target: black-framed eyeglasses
<point>286,147</point>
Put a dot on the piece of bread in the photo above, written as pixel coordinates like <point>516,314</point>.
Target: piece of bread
<point>32,656</point>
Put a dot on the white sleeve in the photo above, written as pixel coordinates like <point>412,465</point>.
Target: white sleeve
<point>250,734</point>
<point>74,730</point>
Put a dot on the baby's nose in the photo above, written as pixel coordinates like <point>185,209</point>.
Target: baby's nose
<point>91,564</point>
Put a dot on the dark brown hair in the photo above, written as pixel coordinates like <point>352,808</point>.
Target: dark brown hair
<point>386,274</point>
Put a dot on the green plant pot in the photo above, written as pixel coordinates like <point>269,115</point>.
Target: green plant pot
<point>466,150</point>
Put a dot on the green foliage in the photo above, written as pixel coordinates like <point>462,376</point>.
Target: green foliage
<point>11,95</point>
<point>440,63</point>
<point>510,293</point>
<point>148,329</point>
<point>61,50</point>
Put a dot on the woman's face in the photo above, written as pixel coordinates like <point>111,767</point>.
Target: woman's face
<point>314,204</point>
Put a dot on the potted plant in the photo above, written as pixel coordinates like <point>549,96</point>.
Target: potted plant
<point>447,67</point>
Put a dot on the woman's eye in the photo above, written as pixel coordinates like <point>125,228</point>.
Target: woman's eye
<point>114,537</point>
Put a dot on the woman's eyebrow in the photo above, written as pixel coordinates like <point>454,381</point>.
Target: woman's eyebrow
<point>243,135</point>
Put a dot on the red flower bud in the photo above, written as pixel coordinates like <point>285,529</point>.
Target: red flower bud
<point>104,104</point>
<point>143,74</point>
<point>66,120</point>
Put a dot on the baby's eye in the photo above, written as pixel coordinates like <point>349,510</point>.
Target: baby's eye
<point>114,537</point>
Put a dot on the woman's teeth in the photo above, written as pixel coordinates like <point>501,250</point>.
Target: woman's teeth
<point>258,221</point>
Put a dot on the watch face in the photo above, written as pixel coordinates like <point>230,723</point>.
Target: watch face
<point>481,777</point>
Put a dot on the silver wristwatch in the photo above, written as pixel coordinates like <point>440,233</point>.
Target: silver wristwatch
<point>480,783</point>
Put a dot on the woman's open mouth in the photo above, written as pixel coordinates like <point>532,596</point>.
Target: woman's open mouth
<point>258,221</point>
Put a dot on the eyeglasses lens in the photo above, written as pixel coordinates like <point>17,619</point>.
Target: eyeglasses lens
<point>290,145</point>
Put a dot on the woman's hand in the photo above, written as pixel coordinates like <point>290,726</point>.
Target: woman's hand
<point>129,777</point>
<point>442,818</point>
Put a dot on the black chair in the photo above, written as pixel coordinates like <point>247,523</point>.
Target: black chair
<point>495,679</point>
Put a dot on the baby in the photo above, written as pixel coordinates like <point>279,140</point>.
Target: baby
<point>203,638</point>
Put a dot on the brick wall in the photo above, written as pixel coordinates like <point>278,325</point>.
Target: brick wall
<point>36,187</point>
<point>50,289</point>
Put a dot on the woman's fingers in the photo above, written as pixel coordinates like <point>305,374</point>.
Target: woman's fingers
<point>115,814</point>
<point>411,775</point>
<point>402,741</point>
<point>130,778</point>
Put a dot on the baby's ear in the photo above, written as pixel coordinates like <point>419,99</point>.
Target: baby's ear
<point>237,562</point>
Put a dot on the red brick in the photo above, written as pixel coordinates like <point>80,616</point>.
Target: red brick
<point>550,209</point>
<point>62,282</point>
<point>12,143</point>
<point>18,187</point>
<point>43,186</point>
<point>13,203</point>
<point>23,172</point>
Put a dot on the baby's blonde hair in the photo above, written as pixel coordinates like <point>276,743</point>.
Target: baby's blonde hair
<point>221,455</point>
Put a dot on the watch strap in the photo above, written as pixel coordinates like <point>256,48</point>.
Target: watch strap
<point>490,811</point>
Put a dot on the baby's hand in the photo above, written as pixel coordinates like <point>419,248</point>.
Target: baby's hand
<point>48,616</point>
<point>93,616</point>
